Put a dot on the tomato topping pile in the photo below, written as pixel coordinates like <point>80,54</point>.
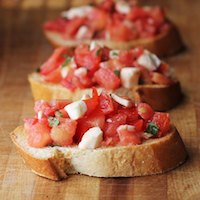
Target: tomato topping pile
<point>133,124</point>
<point>101,22</point>
<point>92,65</point>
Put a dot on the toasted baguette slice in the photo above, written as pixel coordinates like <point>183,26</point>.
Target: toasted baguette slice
<point>164,44</point>
<point>160,97</point>
<point>152,157</point>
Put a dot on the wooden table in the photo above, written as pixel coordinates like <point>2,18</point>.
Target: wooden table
<point>23,48</point>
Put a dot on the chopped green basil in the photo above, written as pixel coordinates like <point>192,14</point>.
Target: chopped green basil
<point>53,121</point>
<point>152,128</point>
<point>117,72</point>
<point>98,52</point>
<point>67,60</point>
<point>114,53</point>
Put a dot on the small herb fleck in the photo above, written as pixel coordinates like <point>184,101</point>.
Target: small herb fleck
<point>152,128</point>
<point>98,52</point>
<point>117,72</point>
<point>53,121</point>
<point>114,53</point>
<point>67,60</point>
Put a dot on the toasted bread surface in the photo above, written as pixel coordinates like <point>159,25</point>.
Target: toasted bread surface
<point>152,157</point>
<point>164,44</point>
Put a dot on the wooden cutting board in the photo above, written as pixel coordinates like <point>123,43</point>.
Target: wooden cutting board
<point>23,48</point>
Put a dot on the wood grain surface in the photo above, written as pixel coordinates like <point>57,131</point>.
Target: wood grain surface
<point>23,48</point>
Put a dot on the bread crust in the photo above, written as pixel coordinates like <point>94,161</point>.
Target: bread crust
<point>164,44</point>
<point>152,157</point>
<point>160,97</point>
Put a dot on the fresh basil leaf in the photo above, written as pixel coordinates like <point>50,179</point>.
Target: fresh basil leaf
<point>115,53</point>
<point>67,60</point>
<point>53,121</point>
<point>98,52</point>
<point>152,128</point>
<point>117,72</point>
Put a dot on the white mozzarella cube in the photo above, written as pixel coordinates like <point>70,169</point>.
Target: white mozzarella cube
<point>129,76</point>
<point>114,54</point>
<point>82,31</point>
<point>91,139</point>
<point>93,45</point>
<point>77,12</point>
<point>82,71</point>
<point>126,127</point>
<point>122,101</point>
<point>76,109</point>
<point>123,7</point>
<point>149,61</point>
<point>39,115</point>
<point>64,71</point>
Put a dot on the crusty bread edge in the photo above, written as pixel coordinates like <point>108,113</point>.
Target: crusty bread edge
<point>160,97</point>
<point>164,44</point>
<point>153,157</point>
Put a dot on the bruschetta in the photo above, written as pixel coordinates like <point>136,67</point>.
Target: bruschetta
<point>136,73</point>
<point>118,25</point>
<point>104,135</point>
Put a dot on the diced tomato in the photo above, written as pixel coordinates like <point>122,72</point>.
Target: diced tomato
<point>44,107</point>
<point>107,79</point>
<point>64,132</point>
<point>57,25</point>
<point>97,19</point>
<point>113,64</point>
<point>132,114</point>
<point>110,141</point>
<point>126,57</point>
<point>54,76</point>
<point>86,58</point>
<point>55,60</point>
<point>38,135</point>
<point>85,80</point>
<point>73,26</point>
<point>107,5</point>
<point>72,82</point>
<point>105,54</point>
<point>137,52</point>
<point>139,126</point>
<point>115,121</point>
<point>59,103</point>
<point>137,12</point>
<point>162,121</point>
<point>158,15</point>
<point>106,103</point>
<point>145,111</point>
<point>120,32</point>
<point>163,68</point>
<point>97,118</point>
<point>129,137</point>
<point>92,103</point>
<point>160,79</point>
